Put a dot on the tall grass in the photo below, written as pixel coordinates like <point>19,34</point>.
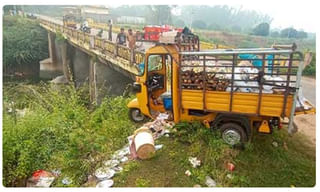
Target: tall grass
<point>58,131</point>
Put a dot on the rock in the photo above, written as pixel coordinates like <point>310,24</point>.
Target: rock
<point>210,182</point>
<point>197,185</point>
<point>105,184</point>
<point>229,176</point>
<point>188,173</point>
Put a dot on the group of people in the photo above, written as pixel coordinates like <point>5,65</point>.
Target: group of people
<point>122,38</point>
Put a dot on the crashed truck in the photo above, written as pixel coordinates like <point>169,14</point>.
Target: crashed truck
<point>235,91</point>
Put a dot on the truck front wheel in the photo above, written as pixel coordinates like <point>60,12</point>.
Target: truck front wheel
<point>233,134</point>
<point>136,115</point>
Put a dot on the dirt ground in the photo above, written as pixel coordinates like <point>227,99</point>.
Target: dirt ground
<point>307,126</point>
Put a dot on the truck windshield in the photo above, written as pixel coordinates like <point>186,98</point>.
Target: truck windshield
<point>154,63</point>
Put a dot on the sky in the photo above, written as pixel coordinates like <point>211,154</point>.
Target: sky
<point>299,14</point>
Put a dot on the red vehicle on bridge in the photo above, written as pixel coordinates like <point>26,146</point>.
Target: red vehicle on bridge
<point>152,32</point>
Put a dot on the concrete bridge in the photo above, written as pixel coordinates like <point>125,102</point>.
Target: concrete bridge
<point>86,58</point>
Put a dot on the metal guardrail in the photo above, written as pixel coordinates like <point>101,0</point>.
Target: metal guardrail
<point>97,43</point>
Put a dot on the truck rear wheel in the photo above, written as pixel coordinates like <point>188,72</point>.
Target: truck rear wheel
<point>136,115</point>
<point>233,134</point>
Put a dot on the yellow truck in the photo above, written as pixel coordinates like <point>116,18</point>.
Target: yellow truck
<point>233,90</point>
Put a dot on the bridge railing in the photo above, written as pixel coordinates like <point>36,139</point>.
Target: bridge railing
<point>97,43</point>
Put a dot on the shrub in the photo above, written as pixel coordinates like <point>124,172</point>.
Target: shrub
<point>59,132</point>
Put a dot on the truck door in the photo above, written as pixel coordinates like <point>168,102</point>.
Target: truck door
<point>156,82</point>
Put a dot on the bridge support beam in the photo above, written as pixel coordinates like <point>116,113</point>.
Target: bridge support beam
<point>50,68</point>
<point>93,81</point>
<point>66,57</point>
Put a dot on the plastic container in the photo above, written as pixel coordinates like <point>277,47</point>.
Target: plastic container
<point>144,143</point>
<point>167,100</point>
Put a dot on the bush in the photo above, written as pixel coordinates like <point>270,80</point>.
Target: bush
<point>262,29</point>
<point>24,42</point>
<point>59,132</point>
<point>310,69</point>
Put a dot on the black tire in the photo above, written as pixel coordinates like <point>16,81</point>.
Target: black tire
<point>135,115</point>
<point>233,134</point>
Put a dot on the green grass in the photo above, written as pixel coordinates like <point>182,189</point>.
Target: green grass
<point>260,164</point>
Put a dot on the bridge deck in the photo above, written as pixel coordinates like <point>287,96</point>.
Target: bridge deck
<point>108,51</point>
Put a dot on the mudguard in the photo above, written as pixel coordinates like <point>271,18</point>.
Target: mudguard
<point>134,103</point>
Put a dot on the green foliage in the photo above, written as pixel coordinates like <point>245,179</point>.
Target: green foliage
<point>140,182</point>
<point>179,23</point>
<point>262,29</point>
<point>223,15</point>
<point>59,132</point>
<point>24,41</point>
<point>199,24</point>
<point>310,69</point>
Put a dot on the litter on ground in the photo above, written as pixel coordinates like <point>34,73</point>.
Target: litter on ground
<point>210,182</point>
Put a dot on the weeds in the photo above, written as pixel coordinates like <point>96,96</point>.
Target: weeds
<point>59,132</point>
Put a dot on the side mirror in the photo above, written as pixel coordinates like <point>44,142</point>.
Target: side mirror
<point>136,88</point>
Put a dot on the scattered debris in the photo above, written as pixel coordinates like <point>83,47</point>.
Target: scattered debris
<point>66,181</point>
<point>104,173</point>
<point>41,178</point>
<point>158,147</point>
<point>275,144</point>
<point>229,176</point>
<point>194,161</point>
<point>56,172</point>
<point>188,173</point>
<point>230,166</point>
<point>117,169</point>
<point>124,159</point>
<point>105,183</point>
<point>111,163</point>
<point>210,182</point>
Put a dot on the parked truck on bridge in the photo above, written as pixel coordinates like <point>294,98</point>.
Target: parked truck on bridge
<point>233,90</point>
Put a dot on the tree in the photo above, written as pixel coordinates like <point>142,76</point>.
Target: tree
<point>159,14</point>
<point>179,23</point>
<point>214,26</point>
<point>199,24</point>
<point>24,43</point>
<point>289,32</point>
<point>301,34</point>
<point>275,34</point>
<point>262,29</point>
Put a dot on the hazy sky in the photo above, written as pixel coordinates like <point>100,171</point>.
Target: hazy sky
<point>299,14</point>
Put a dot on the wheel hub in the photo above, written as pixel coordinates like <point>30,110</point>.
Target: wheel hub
<point>136,114</point>
<point>231,137</point>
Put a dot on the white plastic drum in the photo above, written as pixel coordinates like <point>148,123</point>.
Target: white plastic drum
<point>144,143</point>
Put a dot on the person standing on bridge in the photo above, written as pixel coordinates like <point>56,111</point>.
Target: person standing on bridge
<point>121,37</point>
<point>110,30</point>
<point>132,39</point>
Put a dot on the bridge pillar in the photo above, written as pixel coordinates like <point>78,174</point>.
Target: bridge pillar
<point>66,57</point>
<point>52,47</point>
<point>92,80</point>
<point>50,68</point>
